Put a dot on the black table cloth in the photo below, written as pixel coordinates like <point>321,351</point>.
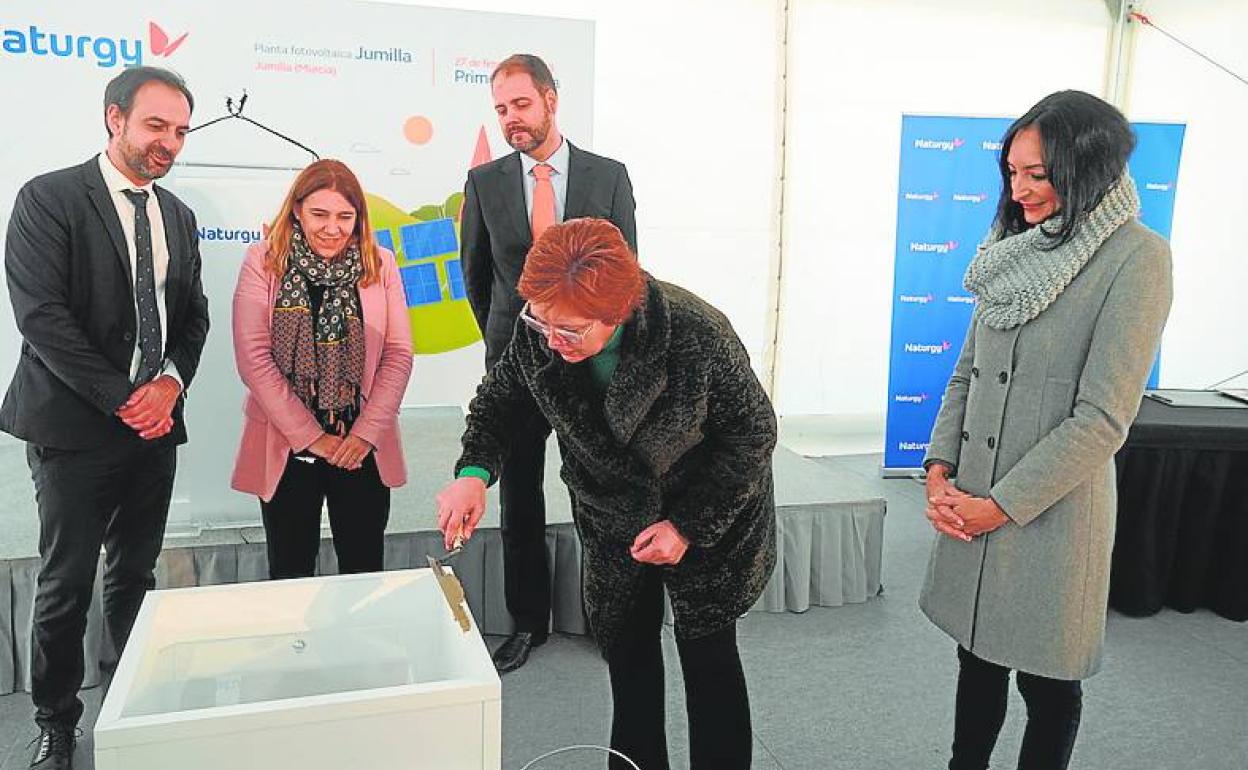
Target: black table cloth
<point>1182,538</point>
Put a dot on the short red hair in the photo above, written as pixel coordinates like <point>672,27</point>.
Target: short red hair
<point>584,266</point>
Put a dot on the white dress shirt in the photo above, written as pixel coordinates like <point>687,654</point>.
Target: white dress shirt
<point>116,182</point>
<point>558,163</point>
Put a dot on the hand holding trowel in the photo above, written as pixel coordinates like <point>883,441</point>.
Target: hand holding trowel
<point>461,504</point>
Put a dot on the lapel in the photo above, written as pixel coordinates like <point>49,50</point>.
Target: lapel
<point>566,396</point>
<point>103,202</point>
<point>641,376</point>
<point>639,380</point>
<point>511,185</point>
<point>580,182</point>
<point>373,310</point>
<point>175,243</point>
<point>567,391</point>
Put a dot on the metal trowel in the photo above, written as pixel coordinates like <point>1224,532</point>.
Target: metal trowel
<point>451,588</point>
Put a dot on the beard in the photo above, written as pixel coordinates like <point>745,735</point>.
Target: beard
<point>537,134</point>
<point>145,162</point>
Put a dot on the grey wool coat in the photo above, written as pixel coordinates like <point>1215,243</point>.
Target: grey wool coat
<point>685,432</point>
<point>1032,417</point>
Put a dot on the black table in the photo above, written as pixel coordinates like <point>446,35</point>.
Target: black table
<point>1182,538</point>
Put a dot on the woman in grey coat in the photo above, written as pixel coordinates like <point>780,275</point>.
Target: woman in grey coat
<point>666,438</point>
<point>1072,294</point>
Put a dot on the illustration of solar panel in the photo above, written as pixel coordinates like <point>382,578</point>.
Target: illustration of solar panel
<point>455,276</point>
<point>420,284</point>
<point>385,239</point>
<point>426,239</point>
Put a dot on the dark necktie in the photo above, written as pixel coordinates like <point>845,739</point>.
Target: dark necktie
<point>150,355</point>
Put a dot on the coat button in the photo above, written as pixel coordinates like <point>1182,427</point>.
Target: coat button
<point>127,336</point>
<point>974,371</point>
<point>1003,378</point>
<point>992,442</point>
<point>966,436</point>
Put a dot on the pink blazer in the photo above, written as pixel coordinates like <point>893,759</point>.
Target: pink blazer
<point>275,421</point>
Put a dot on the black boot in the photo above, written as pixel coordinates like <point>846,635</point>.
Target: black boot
<point>55,750</point>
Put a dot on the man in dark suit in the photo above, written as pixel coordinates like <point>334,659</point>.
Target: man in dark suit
<point>103,271</point>
<point>508,202</point>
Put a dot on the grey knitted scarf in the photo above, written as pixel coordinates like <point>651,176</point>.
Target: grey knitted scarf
<point>1015,278</point>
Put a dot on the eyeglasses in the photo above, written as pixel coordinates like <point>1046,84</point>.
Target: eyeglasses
<point>566,336</point>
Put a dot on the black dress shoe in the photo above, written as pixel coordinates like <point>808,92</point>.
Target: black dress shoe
<point>513,653</point>
<point>55,750</point>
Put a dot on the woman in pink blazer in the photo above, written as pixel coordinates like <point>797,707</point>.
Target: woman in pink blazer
<point>322,342</point>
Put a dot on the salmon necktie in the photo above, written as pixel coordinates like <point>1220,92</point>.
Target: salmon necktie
<point>543,214</point>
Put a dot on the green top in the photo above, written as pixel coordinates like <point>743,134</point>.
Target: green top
<point>475,471</point>
<point>602,364</point>
<point>601,367</point>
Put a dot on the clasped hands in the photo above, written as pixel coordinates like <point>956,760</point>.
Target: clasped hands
<point>461,504</point>
<point>346,452</point>
<point>958,514</point>
<point>149,410</point>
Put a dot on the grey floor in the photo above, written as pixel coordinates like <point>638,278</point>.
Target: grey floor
<point>870,686</point>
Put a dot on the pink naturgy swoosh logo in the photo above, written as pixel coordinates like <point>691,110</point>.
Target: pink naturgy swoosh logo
<point>159,40</point>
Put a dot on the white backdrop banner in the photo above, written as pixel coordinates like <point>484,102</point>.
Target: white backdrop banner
<point>399,93</point>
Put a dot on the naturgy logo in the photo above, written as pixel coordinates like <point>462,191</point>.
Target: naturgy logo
<point>915,299</point>
<point>975,198</point>
<point>160,42</point>
<point>105,51</point>
<point>945,145</point>
<point>934,350</point>
<point>238,234</point>
<point>933,248</point>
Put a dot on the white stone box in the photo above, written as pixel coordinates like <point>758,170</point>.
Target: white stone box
<point>353,671</point>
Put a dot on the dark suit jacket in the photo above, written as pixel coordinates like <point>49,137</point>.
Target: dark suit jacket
<point>68,270</point>
<point>495,231</point>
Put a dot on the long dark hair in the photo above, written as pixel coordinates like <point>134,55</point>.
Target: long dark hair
<point>1086,145</point>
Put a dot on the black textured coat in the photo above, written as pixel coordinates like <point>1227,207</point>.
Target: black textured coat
<point>685,433</point>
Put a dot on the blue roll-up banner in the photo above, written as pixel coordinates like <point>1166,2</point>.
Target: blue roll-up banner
<point>947,196</point>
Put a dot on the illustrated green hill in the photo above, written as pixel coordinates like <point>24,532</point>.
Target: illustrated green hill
<point>437,327</point>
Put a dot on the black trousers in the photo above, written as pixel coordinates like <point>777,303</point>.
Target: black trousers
<point>1053,710</point>
<point>522,520</point>
<point>116,496</point>
<point>716,700</point>
<point>359,508</point>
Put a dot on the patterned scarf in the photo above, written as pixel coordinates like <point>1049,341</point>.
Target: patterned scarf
<point>1015,278</point>
<point>322,360</point>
